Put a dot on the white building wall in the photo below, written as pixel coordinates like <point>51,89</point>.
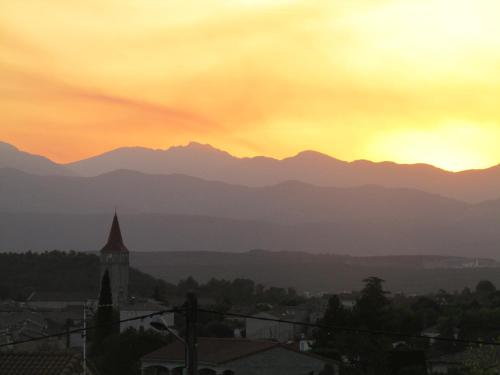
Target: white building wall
<point>142,323</point>
<point>269,330</point>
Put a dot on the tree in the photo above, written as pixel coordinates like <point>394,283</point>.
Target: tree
<point>121,353</point>
<point>68,272</point>
<point>187,285</point>
<point>373,304</point>
<point>105,321</point>
<point>494,299</point>
<point>329,342</point>
<point>373,312</point>
<point>481,360</point>
<point>105,317</point>
<point>427,311</point>
<point>275,295</point>
<point>446,329</point>
<point>242,290</point>
<point>335,313</point>
<point>485,287</point>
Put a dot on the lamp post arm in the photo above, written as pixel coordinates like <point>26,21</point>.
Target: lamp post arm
<point>171,331</point>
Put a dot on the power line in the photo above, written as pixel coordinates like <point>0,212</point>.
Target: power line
<point>354,330</point>
<point>77,330</point>
<point>284,321</point>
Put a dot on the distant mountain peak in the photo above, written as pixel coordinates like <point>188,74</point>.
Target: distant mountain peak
<point>199,145</point>
<point>311,155</point>
<point>200,148</point>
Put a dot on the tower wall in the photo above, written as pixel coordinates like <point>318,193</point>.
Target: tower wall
<point>117,264</point>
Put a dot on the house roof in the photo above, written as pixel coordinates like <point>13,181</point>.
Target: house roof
<point>212,350</point>
<point>431,330</point>
<point>74,296</point>
<point>39,363</point>
<point>218,351</point>
<point>19,318</point>
<point>486,357</point>
<point>10,306</point>
<point>143,306</point>
<point>115,240</point>
<point>283,313</point>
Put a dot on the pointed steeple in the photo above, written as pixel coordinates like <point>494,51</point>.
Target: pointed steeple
<point>115,240</point>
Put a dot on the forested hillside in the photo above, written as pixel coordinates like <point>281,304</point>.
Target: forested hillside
<point>78,273</point>
<point>57,271</point>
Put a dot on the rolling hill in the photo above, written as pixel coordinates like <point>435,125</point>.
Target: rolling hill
<point>180,213</point>
<point>286,203</point>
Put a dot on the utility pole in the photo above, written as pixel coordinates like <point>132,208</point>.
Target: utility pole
<point>84,338</point>
<point>191,320</point>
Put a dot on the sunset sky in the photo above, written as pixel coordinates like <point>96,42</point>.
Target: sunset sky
<point>402,80</point>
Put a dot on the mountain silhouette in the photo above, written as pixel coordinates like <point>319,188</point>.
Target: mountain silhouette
<point>11,157</point>
<point>207,162</point>
<point>310,167</point>
<point>287,203</point>
<point>178,212</point>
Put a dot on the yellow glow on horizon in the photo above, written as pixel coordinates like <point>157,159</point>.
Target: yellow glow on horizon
<point>362,79</point>
<point>453,147</point>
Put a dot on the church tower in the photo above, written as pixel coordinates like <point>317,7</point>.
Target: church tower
<point>114,258</point>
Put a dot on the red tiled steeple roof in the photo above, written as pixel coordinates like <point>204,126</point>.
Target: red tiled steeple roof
<point>115,240</point>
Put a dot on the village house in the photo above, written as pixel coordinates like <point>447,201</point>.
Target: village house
<point>43,300</point>
<point>141,308</point>
<point>229,356</point>
<point>259,328</point>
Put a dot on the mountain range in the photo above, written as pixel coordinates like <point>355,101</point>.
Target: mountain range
<point>67,207</point>
<point>209,163</point>
<point>286,203</point>
<point>177,212</point>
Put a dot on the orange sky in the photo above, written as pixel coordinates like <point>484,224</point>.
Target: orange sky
<point>402,80</point>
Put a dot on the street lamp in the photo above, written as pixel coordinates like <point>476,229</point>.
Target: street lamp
<point>161,325</point>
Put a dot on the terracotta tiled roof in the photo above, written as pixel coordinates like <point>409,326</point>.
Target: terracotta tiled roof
<point>486,358</point>
<point>19,318</point>
<point>115,240</point>
<point>212,350</point>
<point>218,351</point>
<point>74,296</point>
<point>18,363</point>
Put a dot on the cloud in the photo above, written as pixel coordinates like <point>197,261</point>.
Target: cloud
<point>19,84</point>
<point>250,77</point>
